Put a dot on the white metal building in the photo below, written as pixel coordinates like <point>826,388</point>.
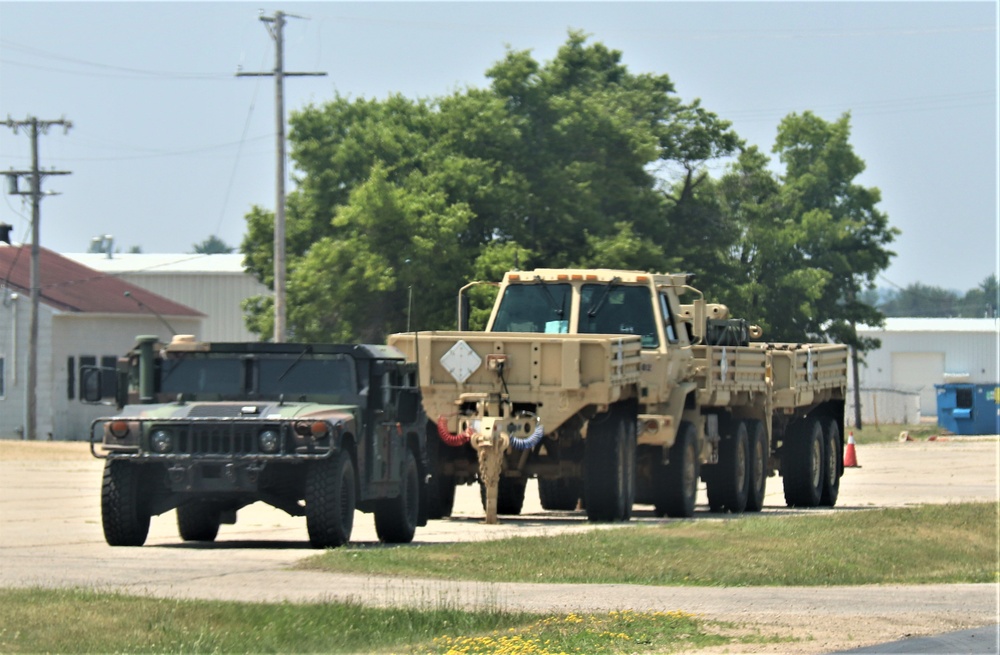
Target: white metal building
<point>215,285</point>
<point>84,318</point>
<point>918,353</point>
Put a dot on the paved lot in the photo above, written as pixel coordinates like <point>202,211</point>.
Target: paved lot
<point>50,535</point>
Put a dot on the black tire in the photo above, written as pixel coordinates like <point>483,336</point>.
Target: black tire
<point>440,496</point>
<point>396,518</point>
<point>676,483</point>
<point>759,454</point>
<point>729,483</point>
<point>124,508</point>
<point>561,494</point>
<point>510,495</point>
<point>198,521</point>
<point>833,463</point>
<point>609,462</point>
<point>802,464</point>
<point>331,499</point>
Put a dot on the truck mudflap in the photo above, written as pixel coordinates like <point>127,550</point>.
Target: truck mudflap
<point>215,439</point>
<point>492,438</point>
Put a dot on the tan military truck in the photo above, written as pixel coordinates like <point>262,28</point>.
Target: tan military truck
<point>611,390</point>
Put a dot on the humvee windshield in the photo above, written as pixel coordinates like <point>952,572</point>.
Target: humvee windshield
<point>266,376</point>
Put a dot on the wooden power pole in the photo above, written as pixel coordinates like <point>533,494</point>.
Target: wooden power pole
<point>275,24</point>
<point>35,175</point>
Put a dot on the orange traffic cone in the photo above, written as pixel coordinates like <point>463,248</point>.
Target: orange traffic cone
<point>851,455</point>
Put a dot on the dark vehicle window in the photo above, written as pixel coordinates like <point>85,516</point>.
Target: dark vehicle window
<point>542,308</point>
<point>327,375</point>
<point>614,309</point>
<point>202,376</point>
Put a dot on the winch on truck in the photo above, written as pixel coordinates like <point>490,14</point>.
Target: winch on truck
<point>611,391</point>
<point>208,428</point>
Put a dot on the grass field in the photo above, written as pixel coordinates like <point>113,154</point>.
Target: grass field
<point>942,543</point>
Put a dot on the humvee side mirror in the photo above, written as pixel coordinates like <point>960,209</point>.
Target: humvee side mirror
<point>100,384</point>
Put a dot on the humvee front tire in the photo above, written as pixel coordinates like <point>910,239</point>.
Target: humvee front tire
<point>331,499</point>
<point>396,518</point>
<point>124,510</point>
<point>198,521</point>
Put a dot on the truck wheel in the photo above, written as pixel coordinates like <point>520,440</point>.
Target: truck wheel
<point>833,463</point>
<point>124,512</point>
<point>677,482</point>
<point>609,462</point>
<point>396,518</point>
<point>440,496</point>
<point>759,453</point>
<point>802,464</point>
<point>330,500</point>
<point>560,494</point>
<point>729,483</point>
<point>198,521</point>
<point>510,495</point>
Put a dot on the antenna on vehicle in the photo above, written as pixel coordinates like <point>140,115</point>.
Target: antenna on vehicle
<point>142,305</point>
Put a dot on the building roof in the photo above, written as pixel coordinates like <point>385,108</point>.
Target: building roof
<point>977,325</point>
<point>72,287</point>
<point>160,263</point>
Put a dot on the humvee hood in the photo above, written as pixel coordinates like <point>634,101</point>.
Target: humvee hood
<point>266,410</point>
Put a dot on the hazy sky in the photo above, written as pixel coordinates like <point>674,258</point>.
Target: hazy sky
<point>168,146</point>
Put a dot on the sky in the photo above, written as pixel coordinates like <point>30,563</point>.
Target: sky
<point>168,146</point>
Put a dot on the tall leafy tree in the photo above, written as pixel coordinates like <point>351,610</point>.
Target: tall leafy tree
<point>840,230</point>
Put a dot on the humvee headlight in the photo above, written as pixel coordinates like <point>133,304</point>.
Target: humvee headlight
<point>161,442</point>
<point>269,441</point>
<point>313,429</point>
<point>118,429</point>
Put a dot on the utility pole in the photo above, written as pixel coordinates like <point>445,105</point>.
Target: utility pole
<point>35,127</point>
<point>275,24</point>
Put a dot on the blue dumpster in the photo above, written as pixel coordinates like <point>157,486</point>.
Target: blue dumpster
<point>969,408</point>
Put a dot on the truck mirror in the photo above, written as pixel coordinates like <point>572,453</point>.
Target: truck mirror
<point>90,384</point>
<point>407,406</point>
<point>100,384</point>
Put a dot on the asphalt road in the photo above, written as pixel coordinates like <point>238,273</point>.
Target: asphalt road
<point>50,535</point>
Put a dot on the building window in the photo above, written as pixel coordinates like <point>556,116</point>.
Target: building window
<point>108,372</point>
<point>71,377</point>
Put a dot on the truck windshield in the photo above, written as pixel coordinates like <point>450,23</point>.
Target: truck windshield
<point>202,375</point>
<point>310,375</point>
<point>606,309</point>
<point>537,307</point>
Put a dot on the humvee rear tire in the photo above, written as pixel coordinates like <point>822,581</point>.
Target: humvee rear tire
<point>331,499</point>
<point>198,521</point>
<point>396,518</point>
<point>560,494</point>
<point>609,462</point>
<point>677,482</point>
<point>802,460</point>
<point>510,495</point>
<point>759,453</point>
<point>833,463</point>
<point>729,482</point>
<point>124,511</point>
<point>440,496</point>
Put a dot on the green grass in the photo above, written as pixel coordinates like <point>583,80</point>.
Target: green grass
<point>77,621</point>
<point>919,545</point>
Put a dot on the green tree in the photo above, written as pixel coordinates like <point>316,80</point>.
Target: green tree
<point>837,226</point>
<point>213,245</point>
<point>983,301</point>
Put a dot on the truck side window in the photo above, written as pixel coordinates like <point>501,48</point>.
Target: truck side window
<point>668,319</point>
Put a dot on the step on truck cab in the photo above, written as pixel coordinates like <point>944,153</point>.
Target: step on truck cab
<point>619,387</point>
<point>315,430</point>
